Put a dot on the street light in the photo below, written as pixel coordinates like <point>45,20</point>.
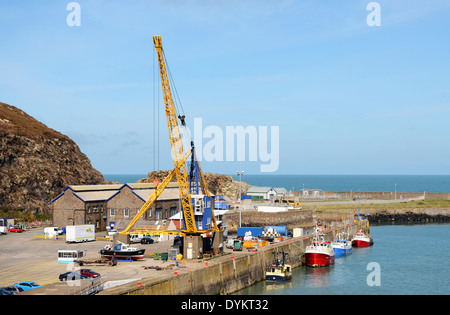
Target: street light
<point>240,173</point>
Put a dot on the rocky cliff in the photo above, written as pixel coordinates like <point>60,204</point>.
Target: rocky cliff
<point>37,162</point>
<point>218,184</point>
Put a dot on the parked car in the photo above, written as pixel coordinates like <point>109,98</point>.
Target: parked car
<point>27,285</point>
<point>15,229</point>
<point>89,273</point>
<point>147,240</point>
<point>71,275</point>
<point>4,292</point>
<point>12,289</point>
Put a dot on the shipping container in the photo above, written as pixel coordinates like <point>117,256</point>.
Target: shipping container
<point>281,229</point>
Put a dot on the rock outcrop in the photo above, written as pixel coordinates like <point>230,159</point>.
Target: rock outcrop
<point>218,184</point>
<point>37,162</point>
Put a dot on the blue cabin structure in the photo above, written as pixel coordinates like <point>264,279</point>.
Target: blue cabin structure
<point>202,206</point>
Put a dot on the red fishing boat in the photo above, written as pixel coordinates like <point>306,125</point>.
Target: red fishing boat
<point>362,240</point>
<point>319,253</point>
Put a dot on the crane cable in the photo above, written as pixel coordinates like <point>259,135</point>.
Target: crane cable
<point>177,100</point>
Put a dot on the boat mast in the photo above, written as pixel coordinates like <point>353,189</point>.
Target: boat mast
<point>359,204</point>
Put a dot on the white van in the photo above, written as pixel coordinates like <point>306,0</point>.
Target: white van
<point>52,231</point>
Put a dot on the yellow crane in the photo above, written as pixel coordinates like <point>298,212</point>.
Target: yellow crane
<point>177,148</point>
<point>179,157</point>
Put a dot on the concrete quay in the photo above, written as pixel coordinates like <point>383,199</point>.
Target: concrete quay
<point>25,259</point>
<point>220,275</point>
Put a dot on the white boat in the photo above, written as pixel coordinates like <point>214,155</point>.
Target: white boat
<point>122,251</point>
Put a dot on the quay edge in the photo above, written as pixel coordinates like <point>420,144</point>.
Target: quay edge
<point>223,275</point>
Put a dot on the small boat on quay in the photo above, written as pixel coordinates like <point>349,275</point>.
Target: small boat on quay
<point>362,239</point>
<point>279,271</point>
<point>319,253</point>
<point>342,246</point>
<point>122,251</point>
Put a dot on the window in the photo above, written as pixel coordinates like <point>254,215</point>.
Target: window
<point>126,212</point>
<point>173,211</point>
<point>158,214</point>
<point>112,212</point>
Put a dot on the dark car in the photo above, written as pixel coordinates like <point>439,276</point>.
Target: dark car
<point>72,275</point>
<point>12,289</point>
<point>89,273</point>
<point>4,292</point>
<point>147,240</point>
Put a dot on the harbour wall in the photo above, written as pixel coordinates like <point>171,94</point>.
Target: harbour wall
<point>223,275</point>
<point>367,195</point>
<point>291,219</point>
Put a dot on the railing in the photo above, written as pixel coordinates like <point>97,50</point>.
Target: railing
<point>53,238</point>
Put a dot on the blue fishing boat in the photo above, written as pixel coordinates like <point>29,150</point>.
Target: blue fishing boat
<point>342,246</point>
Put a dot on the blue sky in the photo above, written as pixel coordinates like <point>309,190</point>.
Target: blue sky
<point>347,98</point>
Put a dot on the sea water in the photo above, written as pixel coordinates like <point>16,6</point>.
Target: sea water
<point>386,183</point>
<point>405,259</point>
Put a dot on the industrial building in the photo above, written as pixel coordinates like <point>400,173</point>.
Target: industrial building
<point>265,193</point>
<point>113,205</point>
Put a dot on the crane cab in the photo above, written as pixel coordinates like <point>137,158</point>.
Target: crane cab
<point>202,208</point>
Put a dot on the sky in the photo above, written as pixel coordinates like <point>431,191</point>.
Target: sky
<point>318,89</point>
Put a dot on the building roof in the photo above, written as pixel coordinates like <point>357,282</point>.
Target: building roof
<point>256,189</point>
<point>281,190</point>
<point>90,193</point>
<point>167,194</point>
<point>101,195</point>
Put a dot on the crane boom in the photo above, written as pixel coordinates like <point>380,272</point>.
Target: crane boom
<point>175,142</point>
<point>158,191</point>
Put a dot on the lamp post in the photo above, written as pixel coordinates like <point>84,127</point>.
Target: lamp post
<point>240,173</point>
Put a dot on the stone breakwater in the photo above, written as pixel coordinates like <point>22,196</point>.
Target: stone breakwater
<point>411,216</point>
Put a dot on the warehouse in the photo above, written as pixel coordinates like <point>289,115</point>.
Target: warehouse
<point>265,193</point>
<point>112,205</point>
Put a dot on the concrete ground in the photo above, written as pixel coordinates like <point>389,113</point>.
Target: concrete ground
<point>22,258</point>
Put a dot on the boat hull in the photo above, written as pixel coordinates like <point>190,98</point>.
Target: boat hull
<point>134,255</point>
<point>342,251</point>
<point>278,278</point>
<point>319,259</point>
<point>362,243</point>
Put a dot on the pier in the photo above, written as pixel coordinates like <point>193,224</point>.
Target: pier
<point>225,274</point>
